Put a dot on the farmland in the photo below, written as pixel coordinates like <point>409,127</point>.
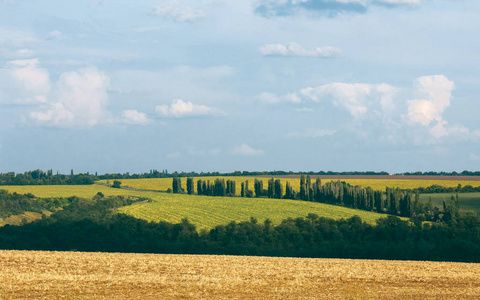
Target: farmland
<point>162,184</point>
<point>77,275</point>
<point>207,212</point>
<point>204,212</point>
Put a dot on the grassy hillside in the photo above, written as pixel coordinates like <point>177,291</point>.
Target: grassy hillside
<point>204,212</point>
<point>162,184</point>
<point>76,275</point>
<point>207,212</point>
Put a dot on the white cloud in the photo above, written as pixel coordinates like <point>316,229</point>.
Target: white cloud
<point>381,110</point>
<point>272,98</point>
<point>435,93</point>
<point>24,82</point>
<point>177,12</point>
<point>294,49</point>
<point>180,108</point>
<point>80,100</point>
<point>246,150</point>
<point>32,78</point>
<point>354,97</point>
<point>134,117</point>
<point>311,133</point>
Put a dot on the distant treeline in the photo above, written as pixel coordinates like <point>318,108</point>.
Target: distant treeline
<point>92,225</point>
<point>392,201</point>
<point>441,189</point>
<point>39,177</point>
<point>431,173</point>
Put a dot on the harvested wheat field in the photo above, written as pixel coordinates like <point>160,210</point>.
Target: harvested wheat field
<point>76,275</point>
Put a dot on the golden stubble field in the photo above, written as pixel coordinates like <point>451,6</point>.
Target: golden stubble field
<point>76,275</point>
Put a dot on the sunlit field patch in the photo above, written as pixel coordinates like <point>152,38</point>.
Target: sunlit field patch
<point>77,275</point>
<point>207,212</point>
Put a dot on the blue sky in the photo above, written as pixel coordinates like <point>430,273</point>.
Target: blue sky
<point>212,85</point>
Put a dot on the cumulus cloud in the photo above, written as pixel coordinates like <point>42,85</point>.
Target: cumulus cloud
<point>180,109</point>
<point>30,75</point>
<point>246,150</point>
<point>270,8</point>
<point>24,82</point>
<point>354,97</point>
<point>434,93</point>
<point>178,12</point>
<point>134,117</point>
<point>80,100</point>
<point>384,111</point>
<point>294,49</point>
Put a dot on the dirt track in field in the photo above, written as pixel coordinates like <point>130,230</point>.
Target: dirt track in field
<point>396,177</point>
<point>76,275</point>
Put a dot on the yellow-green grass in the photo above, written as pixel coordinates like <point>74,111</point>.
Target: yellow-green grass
<point>208,212</point>
<point>205,212</point>
<point>53,191</point>
<point>163,184</point>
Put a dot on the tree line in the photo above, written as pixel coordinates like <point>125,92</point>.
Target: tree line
<point>93,225</point>
<point>404,203</point>
<point>39,177</point>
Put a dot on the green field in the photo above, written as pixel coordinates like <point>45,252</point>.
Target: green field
<point>204,212</point>
<point>207,212</point>
<point>466,201</point>
<point>162,184</point>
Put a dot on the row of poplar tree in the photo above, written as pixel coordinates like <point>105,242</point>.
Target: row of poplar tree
<point>393,201</point>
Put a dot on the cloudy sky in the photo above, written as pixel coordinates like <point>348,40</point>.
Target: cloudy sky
<point>216,85</point>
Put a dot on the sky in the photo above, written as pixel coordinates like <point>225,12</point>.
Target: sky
<point>253,85</point>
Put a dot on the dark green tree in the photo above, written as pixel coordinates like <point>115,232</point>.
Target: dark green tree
<point>190,186</point>
<point>271,189</point>
<point>177,185</point>
<point>278,193</point>
<point>116,184</point>
<point>199,187</point>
